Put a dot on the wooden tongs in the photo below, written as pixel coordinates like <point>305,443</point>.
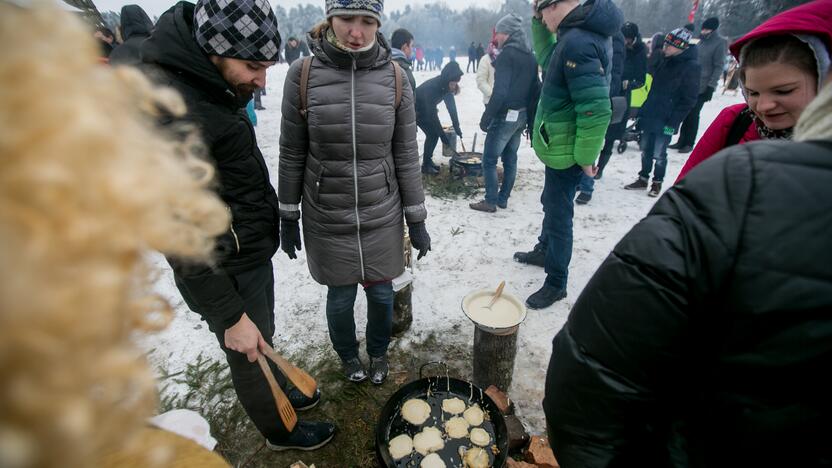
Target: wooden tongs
<point>301,380</point>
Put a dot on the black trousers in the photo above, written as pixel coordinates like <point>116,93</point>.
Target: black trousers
<point>431,139</point>
<point>690,126</point>
<point>256,287</point>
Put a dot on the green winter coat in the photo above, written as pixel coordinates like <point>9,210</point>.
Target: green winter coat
<point>574,110</point>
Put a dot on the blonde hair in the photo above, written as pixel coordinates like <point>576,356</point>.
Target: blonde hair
<point>88,186</point>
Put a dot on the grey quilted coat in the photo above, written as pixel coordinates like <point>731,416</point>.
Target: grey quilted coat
<point>352,165</point>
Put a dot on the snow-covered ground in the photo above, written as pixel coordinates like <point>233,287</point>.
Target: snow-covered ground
<point>478,256</point>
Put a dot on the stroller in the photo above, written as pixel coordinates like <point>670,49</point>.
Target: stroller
<point>631,132</point>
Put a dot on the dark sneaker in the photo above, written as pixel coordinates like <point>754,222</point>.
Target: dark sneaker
<point>599,175</point>
<point>545,297</point>
<point>639,184</point>
<point>430,170</point>
<point>483,206</point>
<point>655,190</point>
<point>354,370</point>
<point>536,257</point>
<point>301,402</point>
<point>685,150</point>
<point>675,146</point>
<point>308,435</point>
<point>503,205</point>
<point>378,370</point>
<point>583,198</point>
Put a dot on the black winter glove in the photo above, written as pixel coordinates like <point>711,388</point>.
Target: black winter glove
<point>708,94</point>
<point>484,126</point>
<point>420,238</point>
<point>290,237</point>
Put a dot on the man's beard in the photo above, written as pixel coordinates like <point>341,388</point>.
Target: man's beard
<point>245,91</point>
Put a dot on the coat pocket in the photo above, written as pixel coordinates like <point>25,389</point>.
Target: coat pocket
<point>544,135</point>
<point>388,176</point>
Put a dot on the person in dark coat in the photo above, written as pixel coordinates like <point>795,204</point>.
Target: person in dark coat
<point>655,56</point>
<point>673,95</point>
<point>704,337</point>
<point>509,111</point>
<point>428,95</point>
<point>472,58</point>
<point>294,50</point>
<point>633,77</point>
<point>136,26</point>
<point>480,54</point>
<point>195,50</point>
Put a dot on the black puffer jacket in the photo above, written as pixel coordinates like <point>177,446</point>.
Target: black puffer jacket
<point>173,58</point>
<point>635,65</point>
<point>433,91</point>
<point>704,339</point>
<point>516,85</point>
<point>136,27</point>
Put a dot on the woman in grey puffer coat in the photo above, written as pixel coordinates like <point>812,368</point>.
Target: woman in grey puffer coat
<point>351,162</point>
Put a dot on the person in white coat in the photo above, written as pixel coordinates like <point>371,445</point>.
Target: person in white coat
<point>485,74</point>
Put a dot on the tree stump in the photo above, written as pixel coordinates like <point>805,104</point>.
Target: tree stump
<point>494,359</point>
<point>403,310</point>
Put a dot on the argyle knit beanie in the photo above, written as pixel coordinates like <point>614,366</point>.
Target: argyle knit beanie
<point>240,29</point>
<point>372,8</point>
<point>679,38</point>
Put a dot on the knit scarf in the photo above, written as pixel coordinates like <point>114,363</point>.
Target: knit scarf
<point>768,133</point>
<point>333,39</point>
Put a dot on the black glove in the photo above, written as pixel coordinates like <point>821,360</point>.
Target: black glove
<point>708,94</point>
<point>484,126</point>
<point>420,238</point>
<point>290,237</point>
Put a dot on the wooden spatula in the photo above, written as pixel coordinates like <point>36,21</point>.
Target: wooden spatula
<point>302,380</point>
<point>284,406</point>
<point>497,294</point>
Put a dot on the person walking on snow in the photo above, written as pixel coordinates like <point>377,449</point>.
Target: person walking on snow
<point>712,49</point>
<point>672,96</point>
<point>216,68</point>
<point>513,101</point>
<point>428,95</point>
<point>573,44</point>
<point>349,167</point>
<point>472,58</point>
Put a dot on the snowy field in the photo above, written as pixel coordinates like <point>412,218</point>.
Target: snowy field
<point>479,256</point>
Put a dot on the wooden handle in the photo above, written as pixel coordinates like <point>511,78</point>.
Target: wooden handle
<point>462,142</point>
<point>302,380</point>
<point>497,294</point>
<point>284,406</point>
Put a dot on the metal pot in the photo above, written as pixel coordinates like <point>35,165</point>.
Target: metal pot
<point>468,164</point>
<point>434,390</point>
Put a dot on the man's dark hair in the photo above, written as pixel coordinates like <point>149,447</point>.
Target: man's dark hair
<point>401,37</point>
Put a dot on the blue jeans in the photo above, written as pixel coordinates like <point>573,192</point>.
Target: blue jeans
<point>654,147</point>
<point>587,184</point>
<point>502,141</point>
<point>341,321</point>
<point>559,207</point>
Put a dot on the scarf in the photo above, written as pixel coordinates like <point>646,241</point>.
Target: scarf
<point>333,39</point>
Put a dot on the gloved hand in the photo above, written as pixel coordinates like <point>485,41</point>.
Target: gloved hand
<point>484,126</point>
<point>420,238</point>
<point>708,94</point>
<point>290,237</point>
<point>669,131</point>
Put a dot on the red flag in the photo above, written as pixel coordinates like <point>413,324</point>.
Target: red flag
<point>692,14</point>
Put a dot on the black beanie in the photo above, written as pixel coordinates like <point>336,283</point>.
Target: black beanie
<point>629,30</point>
<point>711,23</point>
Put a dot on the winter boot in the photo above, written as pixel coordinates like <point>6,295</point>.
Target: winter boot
<point>354,370</point>
<point>301,402</point>
<point>655,190</point>
<point>583,198</point>
<point>536,257</point>
<point>685,149</point>
<point>430,170</point>
<point>307,435</point>
<point>483,206</point>
<point>639,184</point>
<point>378,370</point>
<point>675,146</point>
<point>545,297</point>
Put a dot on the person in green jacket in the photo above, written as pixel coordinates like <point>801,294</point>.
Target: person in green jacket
<point>573,45</point>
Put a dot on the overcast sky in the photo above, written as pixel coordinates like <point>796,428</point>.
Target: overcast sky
<point>157,7</point>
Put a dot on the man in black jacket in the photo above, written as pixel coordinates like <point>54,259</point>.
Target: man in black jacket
<point>428,95</point>
<point>509,111</point>
<point>294,50</point>
<point>217,67</point>
<point>703,339</point>
<point>135,28</point>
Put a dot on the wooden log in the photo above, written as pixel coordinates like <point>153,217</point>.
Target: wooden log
<point>494,359</point>
<point>403,310</point>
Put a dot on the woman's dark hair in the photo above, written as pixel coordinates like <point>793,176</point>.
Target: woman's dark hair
<point>785,49</point>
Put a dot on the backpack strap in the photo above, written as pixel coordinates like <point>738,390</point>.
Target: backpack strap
<point>397,70</point>
<point>304,85</point>
<point>741,123</point>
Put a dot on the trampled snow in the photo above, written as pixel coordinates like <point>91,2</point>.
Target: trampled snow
<point>471,250</point>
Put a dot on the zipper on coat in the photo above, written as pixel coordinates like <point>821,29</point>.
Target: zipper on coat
<point>355,170</point>
<point>233,232</point>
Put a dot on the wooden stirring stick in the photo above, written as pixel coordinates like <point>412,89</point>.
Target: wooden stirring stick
<point>284,406</point>
<point>302,380</point>
<point>496,294</point>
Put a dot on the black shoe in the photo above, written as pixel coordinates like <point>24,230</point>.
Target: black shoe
<point>545,297</point>
<point>599,175</point>
<point>536,257</point>
<point>430,170</point>
<point>655,190</point>
<point>483,206</point>
<point>639,184</point>
<point>354,370</point>
<point>675,146</point>
<point>583,198</point>
<point>301,402</point>
<point>685,150</point>
<point>307,435</point>
<point>378,370</point>
<point>502,205</point>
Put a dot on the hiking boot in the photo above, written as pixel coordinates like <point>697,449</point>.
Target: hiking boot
<point>583,198</point>
<point>655,190</point>
<point>675,146</point>
<point>639,184</point>
<point>536,257</point>
<point>483,206</point>
<point>545,297</point>
<point>430,170</point>
<point>503,205</point>
<point>685,149</point>
<point>307,435</point>
<point>301,402</point>
<point>354,370</point>
<point>378,370</point>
